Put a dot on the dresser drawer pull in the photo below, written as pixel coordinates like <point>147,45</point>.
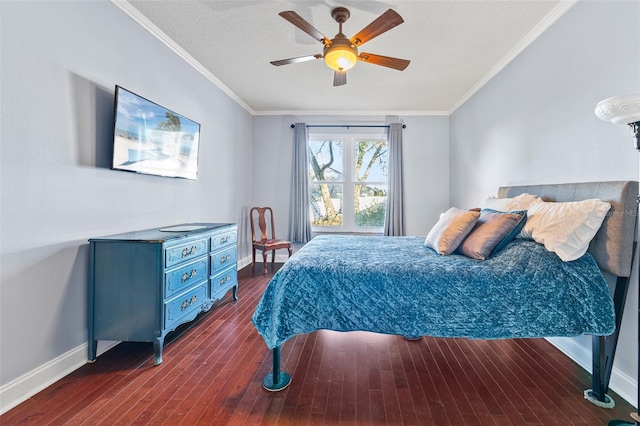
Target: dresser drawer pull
<point>186,275</point>
<point>225,239</point>
<point>224,280</point>
<point>186,252</point>
<point>225,258</point>
<point>187,302</point>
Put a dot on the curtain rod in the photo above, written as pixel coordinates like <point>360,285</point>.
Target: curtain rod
<point>404,126</point>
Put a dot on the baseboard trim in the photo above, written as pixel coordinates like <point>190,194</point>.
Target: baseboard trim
<point>24,387</point>
<point>280,258</point>
<point>621,383</point>
<point>245,261</point>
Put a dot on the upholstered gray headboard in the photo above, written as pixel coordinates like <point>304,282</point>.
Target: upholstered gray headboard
<point>612,247</point>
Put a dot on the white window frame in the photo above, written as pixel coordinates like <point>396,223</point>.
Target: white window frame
<point>348,139</point>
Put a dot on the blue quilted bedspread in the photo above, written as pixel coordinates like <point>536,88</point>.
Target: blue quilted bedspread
<point>396,285</point>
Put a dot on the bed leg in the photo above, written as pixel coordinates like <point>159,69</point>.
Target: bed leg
<point>276,380</point>
<point>604,350</point>
<point>598,392</point>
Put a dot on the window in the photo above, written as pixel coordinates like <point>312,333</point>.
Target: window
<point>348,182</point>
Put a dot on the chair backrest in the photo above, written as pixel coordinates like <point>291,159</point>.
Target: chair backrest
<point>264,215</point>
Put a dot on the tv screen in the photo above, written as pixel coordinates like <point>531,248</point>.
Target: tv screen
<point>154,140</point>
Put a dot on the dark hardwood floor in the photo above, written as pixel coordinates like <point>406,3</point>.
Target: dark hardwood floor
<point>212,374</point>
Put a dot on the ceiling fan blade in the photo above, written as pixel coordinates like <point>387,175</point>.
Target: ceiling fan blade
<point>385,61</point>
<point>383,23</point>
<point>295,60</point>
<point>301,23</point>
<point>339,78</point>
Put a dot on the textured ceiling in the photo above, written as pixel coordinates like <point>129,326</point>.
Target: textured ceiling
<point>454,46</point>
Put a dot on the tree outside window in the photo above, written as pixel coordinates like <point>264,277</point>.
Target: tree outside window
<point>370,183</point>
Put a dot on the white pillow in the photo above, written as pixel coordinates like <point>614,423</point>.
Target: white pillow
<point>451,229</point>
<point>520,202</point>
<point>565,228</point>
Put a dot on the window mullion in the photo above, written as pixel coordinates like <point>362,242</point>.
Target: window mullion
<point>348,190</point>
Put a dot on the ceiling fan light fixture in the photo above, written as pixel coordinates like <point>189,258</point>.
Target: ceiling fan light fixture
<point>340,55</point>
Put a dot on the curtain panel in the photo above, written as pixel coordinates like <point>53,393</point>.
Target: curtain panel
<point>299,221</point>
<point>394,219</point>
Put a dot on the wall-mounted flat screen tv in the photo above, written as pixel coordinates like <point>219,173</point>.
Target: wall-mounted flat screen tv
<point>152,139</point>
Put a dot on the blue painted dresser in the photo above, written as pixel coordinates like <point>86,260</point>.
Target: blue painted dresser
<point>144,284</point>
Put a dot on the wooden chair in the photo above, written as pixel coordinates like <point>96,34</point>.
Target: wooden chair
<point>267,241</point>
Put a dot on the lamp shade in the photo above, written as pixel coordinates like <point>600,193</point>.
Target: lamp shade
<point>340,55</point>
<point>620,109</point>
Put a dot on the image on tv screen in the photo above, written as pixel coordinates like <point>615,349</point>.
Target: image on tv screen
<point>153,140</point>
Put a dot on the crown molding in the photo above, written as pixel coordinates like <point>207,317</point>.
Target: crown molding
<point>358,113</point>
<point>542,26</point>
<point>145,23</point>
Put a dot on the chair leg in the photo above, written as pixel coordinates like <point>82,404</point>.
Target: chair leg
<point>273,259</point>
<point>289,248</point>
<point>264,261</point>
<point>253,261</point>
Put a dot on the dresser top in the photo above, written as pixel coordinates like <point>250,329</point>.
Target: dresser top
<point>171,232</point>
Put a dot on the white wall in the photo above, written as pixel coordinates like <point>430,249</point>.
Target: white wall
<point>534,123</point>
<point>60,63</point>
<point>426,165</point>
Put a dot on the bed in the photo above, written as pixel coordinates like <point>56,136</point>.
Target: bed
<point>396,285</point>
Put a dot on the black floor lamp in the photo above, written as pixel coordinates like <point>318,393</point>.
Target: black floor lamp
<point>626,110</point>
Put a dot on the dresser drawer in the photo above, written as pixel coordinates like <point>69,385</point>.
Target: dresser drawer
<point>224,239</point>
<point>223,281</point>
<point>184,252</point>
<point>185,276</point>
<point>223,259</point>
<point>184,304</point>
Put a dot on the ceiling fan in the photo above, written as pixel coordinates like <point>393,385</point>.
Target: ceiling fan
<point>341,53</point>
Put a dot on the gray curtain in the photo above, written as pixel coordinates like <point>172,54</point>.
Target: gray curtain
<point>394,221</point>
<point>299,222</point>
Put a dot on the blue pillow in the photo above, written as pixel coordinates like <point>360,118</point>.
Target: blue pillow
<point>492,233</point>
<point>514,232</point>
